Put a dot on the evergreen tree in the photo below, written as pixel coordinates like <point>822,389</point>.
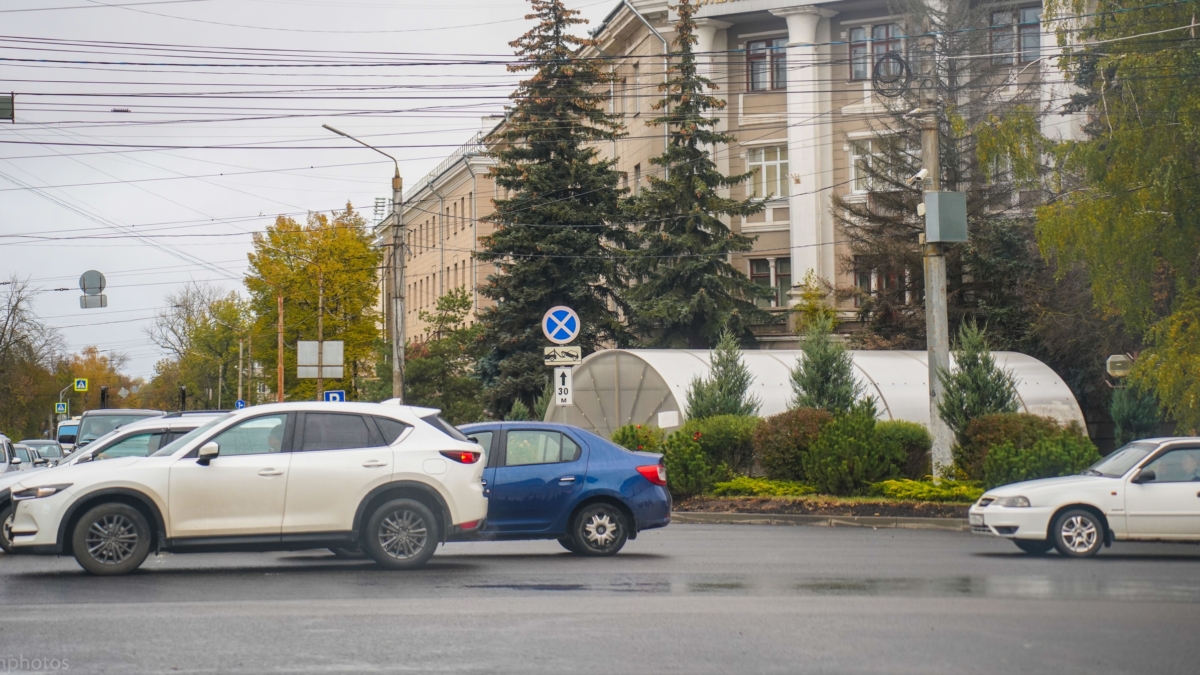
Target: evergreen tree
<point>686,290</point>
<point>1134,414</point>
<point>726,390</point>
<point>558,225</point>
<point>976,386</point>
<point>440,372</point>
<point>824,376</point>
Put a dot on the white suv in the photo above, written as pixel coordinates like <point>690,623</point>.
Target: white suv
<point>388,479</point>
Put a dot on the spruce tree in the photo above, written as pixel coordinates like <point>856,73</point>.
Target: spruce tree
<point>685,291</point>
<point>555,228</point>
<point>976,386</point>
<point>726,390</point>
<point>824,376</point>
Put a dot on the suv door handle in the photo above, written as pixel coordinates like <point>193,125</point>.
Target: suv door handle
<point>270,472</point>
<point>374,464</point>
<point>567,479</point>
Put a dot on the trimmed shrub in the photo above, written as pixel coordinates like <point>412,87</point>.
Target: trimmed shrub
<point>726,439</point>
<point>846,459</point>
<point>909,440</point>
<point>688,470</point>
<point>638,437</point>
<point>1063,454</point>
<point>781,441</point>
<point>928,491</point>
<point>1022,430</point>
<point>743,486</point>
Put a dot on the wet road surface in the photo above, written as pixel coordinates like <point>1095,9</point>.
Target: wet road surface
<point>687,599</point>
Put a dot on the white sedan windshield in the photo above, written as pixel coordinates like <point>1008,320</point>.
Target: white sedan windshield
<point>1120,462</point>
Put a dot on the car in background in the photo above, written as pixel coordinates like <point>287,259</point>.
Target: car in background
<point>7,454</point>
<point>67,430</point>
<point>28,457</point>
<point>49,450</point>
<point>390,479</point>
<point>137,439</point>
<point>1147,490</point>
<point>95,423</point>
<point>555,481</point>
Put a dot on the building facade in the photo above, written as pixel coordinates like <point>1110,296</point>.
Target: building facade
<point>797,79</point>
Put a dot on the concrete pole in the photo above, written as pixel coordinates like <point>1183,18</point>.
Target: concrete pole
<point>320,334</point>
<point>937,327</point>
<point>398,242</point>
<point>279,354</point>
<point>241,345</point>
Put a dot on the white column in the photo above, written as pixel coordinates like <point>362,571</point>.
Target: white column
<point>806,112</point>
<point>712,38</point>
<point>774,283</point>
<point>1057,88</point>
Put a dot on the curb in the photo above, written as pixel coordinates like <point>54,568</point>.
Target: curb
<point>877,522</point>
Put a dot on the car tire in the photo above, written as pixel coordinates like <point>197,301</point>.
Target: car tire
<point>349,553</point>
<point>1034,546</point>
<point>599,530</point>
<point>569,544</point>
<point>401,534</point>
<point>111,539</point>
<point>1078,533</point>
<point>6,518</point>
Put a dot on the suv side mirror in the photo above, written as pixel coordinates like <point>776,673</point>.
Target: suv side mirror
<point>1144,476</point>
<point>208,452</point>
<point>15,461</point>
<point>40,461</point>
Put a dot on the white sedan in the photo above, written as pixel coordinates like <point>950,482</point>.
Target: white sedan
<point>1146,491</point>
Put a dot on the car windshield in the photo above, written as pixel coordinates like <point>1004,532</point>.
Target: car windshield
<point>447,428</point>
<point>170,448</point>
<point>48,449</point>
<point>1120,462</point>
<point>95,426</point>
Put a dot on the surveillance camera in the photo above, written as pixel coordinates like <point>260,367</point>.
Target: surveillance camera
<point>912,113</point>
<point>920,176</point>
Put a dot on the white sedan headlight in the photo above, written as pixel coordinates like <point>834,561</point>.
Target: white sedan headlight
<point>1013,502</point>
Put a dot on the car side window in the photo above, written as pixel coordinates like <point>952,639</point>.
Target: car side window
<point>483,438</point>
<point>528,446</point>
<point>335,431</point>
<point>137,445</point>
<point>1176,466</point>
<point>390,428</point>
<point>257,436</point>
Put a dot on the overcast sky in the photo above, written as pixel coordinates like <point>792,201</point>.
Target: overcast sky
<point>191,73</point>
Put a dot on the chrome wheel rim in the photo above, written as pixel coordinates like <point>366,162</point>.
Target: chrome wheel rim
<point>111,539</point>
<point>1079,534</point>
<point>403,534</point>
<point>600,530</point>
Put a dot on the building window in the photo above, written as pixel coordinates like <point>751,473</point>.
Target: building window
<point>637,179</point>
<point>770,168</point>
<point>886,39</point>
<point>866,49</point>
<point>760,273</point>
<point>783,280</point>
<point>860,166</point>
<point>1016,34</point>
<point>766,64</point>
<point>860,54</point>
<point>635,100</point>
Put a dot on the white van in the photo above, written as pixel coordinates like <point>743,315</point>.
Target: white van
<point>67,431</point>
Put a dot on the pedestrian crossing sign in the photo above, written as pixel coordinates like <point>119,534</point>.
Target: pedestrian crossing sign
<point>81,384</point>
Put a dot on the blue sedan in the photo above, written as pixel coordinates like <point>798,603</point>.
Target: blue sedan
<point>554,481</point>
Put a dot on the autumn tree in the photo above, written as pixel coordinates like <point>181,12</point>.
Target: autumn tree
<point>440,372</point>
<point>289,260</point>
<point>685,290</point>
<point>557,224</point>
<point>28,351</point>
<point>201,329</point>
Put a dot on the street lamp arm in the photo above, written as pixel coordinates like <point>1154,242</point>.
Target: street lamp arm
<point>365,145</point>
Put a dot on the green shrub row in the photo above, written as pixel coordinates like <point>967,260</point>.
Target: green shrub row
<point>928,491</point>
<point>745,486</point>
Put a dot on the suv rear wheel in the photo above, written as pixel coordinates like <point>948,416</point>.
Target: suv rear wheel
<point>401,534</point>
<point>111,539</point>
<point>600,529</point>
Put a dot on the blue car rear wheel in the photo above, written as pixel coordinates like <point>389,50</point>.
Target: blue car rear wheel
<point>600,530</point>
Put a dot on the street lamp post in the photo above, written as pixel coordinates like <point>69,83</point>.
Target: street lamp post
<point>397,268</point>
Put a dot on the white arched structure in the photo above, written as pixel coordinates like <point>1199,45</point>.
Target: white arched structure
<point>616,387</point>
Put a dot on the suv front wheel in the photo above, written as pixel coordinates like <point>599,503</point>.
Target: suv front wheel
<point>401,534</point>
<point>111,539</point>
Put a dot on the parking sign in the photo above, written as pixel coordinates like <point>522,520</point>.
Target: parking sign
<point>335,396</point>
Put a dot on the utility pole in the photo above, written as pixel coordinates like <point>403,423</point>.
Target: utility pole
<point>250,362</point>
<point>241,344</point>
<point>398,241</point>
<point>220,382</point>
<point>320,334</point>
<point>279,352</point>
<point>937,329</point>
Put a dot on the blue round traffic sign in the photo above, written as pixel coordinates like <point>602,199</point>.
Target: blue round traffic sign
<point>239,404</point>
<point>561,325</point>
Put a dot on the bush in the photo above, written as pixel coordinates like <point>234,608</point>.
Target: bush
<point>726,439</point>
<point>927,491</point>
<point>688,469</point>
<point>909,440</point>
<point>846,459</point>
<point>638,437</point>
<point>781,441</point>
<point>1022,430</point>
<point>742,486</point>
<point>1063,454</point>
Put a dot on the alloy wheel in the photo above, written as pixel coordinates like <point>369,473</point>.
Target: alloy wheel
<point>111,539</point>
<point>403,534</point>
<point>1079,533</point>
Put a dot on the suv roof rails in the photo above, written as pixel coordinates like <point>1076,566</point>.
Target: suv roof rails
<point>181,413</point>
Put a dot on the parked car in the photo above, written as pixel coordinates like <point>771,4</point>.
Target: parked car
<point>49,450</point>
<point>1145,491</point>
<point>137,439</point>
<point>67,431</point>
<point>29,457</point>
<point>392,480</point>
<point>7,454</point>
<point>95,423</point>
<point>555,481</point>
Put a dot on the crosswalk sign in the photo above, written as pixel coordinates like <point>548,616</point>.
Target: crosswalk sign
<point>60,408</point>
<point>81,384</point>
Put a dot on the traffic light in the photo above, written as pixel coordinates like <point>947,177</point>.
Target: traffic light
<point>103,398</point>
<point>182,397</point>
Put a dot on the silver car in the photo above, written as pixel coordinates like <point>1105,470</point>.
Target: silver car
<point>136,439</point>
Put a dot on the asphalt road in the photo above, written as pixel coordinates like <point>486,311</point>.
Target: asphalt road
<point>687,599</point>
